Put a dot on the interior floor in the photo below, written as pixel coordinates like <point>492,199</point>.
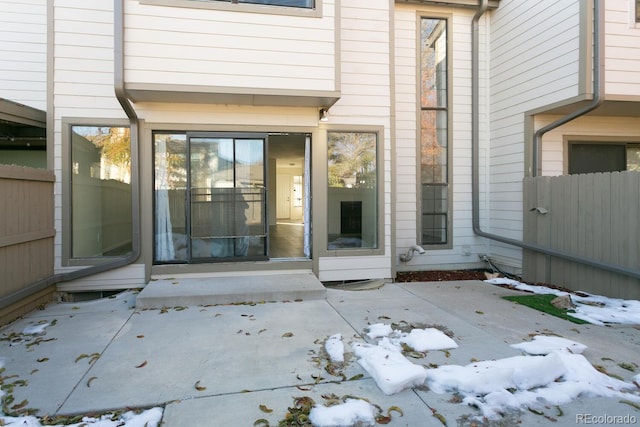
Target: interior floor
<point>286,240</point>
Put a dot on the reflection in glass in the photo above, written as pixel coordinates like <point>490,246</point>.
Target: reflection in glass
<point>214,207</point>
<point>101,191</point>
<point>353,190</point>
<point>434,116</point>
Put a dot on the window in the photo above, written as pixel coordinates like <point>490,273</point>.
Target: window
<point>100,173</point>
<point>352,216</point>
<point>637,10</point>
<point>305,4</point>
<point>592,157</point>
<point>434,133</point>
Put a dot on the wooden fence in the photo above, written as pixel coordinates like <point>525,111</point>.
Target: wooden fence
<point>595,216</point>
<point>26,235</point>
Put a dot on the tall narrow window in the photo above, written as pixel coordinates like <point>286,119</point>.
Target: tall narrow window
<point>353,190</point>
<point>101,191</point>
<point>434,146</point>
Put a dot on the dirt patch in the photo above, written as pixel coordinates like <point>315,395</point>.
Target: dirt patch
<point>440,275</point>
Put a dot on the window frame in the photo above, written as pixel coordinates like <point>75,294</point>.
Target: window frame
<point>568,140</point>
<point>322,229</point>
<point>315,12</point>
<point>449,109</point>
<point>68,123</point>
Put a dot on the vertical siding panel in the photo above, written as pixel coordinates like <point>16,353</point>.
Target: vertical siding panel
<point>543,225</point>
<point>631,188</point>
<point>560,229</point>
<point>530,233</point>
<point>601,229</point>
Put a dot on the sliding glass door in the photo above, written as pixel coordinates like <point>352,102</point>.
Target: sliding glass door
<point>210,197</point>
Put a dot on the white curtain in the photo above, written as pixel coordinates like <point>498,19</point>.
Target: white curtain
<point>307,197</point>
<point>164,234</point>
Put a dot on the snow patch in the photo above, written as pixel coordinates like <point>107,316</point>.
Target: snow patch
<point>335,348</point>
<point>594,309</point>
<point>391,371</point>
<point>346,414</point>
<point>543,344</point>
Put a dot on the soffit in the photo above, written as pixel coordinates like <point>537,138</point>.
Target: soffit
<point>606,108</point>
<point>235,96</point>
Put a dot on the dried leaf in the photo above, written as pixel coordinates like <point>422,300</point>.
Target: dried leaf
<point>395,409</point>
<point>356,377</point>
<point>264,408</point>
<point>261,423</point>
<point>20,405</point>
<point>142,365</point>
<point>82,356</point>
<point>287,335</point>
<point>199,387</point>
<point>42,359</point>
<point>89,381</point>
<point>140,336</point>
<point>381,419</point>
<point>34,371</point>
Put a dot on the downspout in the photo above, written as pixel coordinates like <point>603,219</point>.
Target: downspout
<point>135,182</point>
<point>475,145</point>
<point>598,89</point>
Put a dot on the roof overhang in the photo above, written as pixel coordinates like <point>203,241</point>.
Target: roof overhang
<point>144,92</point>
<point>608,108</point>
<point>15,113</point>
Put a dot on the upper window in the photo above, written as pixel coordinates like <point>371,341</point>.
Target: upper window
<point>101,223</point>
<point>352,208</point>
<point>590,157</point>
<point>637,10</point>
<point>305,4</point>
<point>435,187</point>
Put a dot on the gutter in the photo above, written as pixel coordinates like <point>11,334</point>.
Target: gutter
<point>135,181</point>
<point>475,144</point>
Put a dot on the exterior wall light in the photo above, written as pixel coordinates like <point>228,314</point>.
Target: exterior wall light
<point>324,115</point>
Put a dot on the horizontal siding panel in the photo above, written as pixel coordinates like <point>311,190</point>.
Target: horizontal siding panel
<point>185,46</point>
<point>23,47</point>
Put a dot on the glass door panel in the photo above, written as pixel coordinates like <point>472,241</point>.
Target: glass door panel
<point>170,185</point>
<point>227,198</point>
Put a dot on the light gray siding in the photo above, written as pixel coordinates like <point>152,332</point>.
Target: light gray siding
<point>176,46</point>
<point>23,52</point>
<point>622,50</point>
<point>535,62</point>
<point>465,244</point>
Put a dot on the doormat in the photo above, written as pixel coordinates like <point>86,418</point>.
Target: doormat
<point>360,285</point>
<point>542,302</point>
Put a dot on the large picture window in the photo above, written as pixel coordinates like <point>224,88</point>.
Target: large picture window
<point>100,191</point>
<point>352,211</point>
<point>434,133</point>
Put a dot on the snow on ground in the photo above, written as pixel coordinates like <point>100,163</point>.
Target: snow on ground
<point>346,414</point>
<point>335,348</point>
<point>520,382</point>
<point>149,418</point>
<point>594,309</point>
<point>551,371</point>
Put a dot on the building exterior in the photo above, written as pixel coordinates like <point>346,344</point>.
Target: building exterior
<point>224,137</point>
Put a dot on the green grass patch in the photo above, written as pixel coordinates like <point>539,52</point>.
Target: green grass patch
<point>542,302</point>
